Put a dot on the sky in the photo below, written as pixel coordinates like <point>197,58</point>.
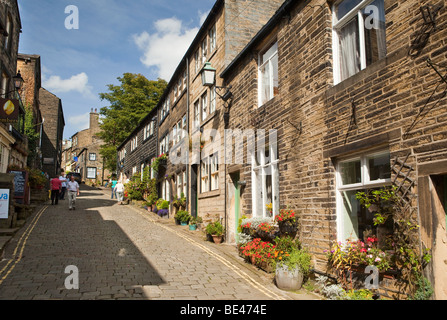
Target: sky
<point>80,57</point>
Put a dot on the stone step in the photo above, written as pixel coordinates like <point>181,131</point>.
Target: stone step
<point>8,232</point>
<point>3,241</point>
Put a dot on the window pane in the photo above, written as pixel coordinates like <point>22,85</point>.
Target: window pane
<point>270,52</point>
<point>275,75</point>
<point>350,172</point>
<point>379,167</point>
<point>265,86</point>
<point>346,6</point>
<point>375,40</point>
<point>349,49</point>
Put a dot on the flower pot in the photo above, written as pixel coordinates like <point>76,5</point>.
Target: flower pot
<point>289,280</point>
<point>288,228</point>
<point>183,223</point>
<point>217,239</point>
<point>192,227</point>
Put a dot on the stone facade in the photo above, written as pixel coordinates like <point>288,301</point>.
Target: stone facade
<point>30,68</point>
<point>132,159</point>
<point>392,108</point>
<point>85,146</point>
<point>53,128</point>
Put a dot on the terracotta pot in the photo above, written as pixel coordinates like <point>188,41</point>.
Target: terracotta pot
<point>217,239</point>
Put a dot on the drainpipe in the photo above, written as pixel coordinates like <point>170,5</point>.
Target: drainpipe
<point>188,167</point>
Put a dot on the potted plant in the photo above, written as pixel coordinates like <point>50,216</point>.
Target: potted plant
<point>162,208</point>
<point>287,222</point>
<point>193,223</point>
<point>215,230</point>
<point>183,217</point>
<point>291,270</point>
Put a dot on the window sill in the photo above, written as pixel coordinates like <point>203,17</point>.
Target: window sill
<point>209,194</point>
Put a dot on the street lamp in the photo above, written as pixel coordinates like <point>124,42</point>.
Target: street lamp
<point>18,80</point>
<point>208,75</point>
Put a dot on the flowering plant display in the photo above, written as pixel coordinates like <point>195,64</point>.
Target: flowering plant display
<point>344,256</point>
<point>286,215</point>
<point>266,227</point>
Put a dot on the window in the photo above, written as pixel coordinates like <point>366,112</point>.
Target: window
<point>181,184</point>
<point>164,144</point>
<point>197,113</point>
<point>134,143</point>
<point>4,85</point>
<point>214,172</point>
<point>268,74</point>
<point>185,78</point>
<point>358,36</point>
<point>265,178</point>
<point>91,173</point>
<point>204,175</point>
<point>212,99</point>
<point>209,173</point>
<point>148,130</point>
<point>165,191</point>
<point>204,50</point>
<point>165,108</point>
<point>175,93</point>
<point>212,37</point>
<point>196,61</point>
<point>366,171</point>
<point>92,156</point>
<point>184,132</point>
<point>204,105</point>
<point>8,38</point>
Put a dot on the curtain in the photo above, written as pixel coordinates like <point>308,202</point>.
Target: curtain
<point>349,50</point>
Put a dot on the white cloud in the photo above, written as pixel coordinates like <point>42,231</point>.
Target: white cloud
<point>203,16</point>
<point>165,48</point>
<point>80,122</point>
<point>78,83</point>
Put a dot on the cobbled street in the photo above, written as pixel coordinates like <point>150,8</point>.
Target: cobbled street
<point>123,252</point>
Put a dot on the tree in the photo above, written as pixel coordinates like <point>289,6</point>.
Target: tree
<point>130,102</point>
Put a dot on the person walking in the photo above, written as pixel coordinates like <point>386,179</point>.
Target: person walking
<point>73,191</point>
<point>114,182</point>
<point>119,190</point>
<point>63,180</point>
<point>55,188</point>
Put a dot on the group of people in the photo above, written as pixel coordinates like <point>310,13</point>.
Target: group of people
<point>60,185</point>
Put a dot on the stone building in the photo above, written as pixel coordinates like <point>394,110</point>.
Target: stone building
<point>29,66</point>
<point>85,156</point>
<point>188,110</point>
<point>139,149</point>
<point>13,144</point>
<point>53,129</point>
<point>352,111</point>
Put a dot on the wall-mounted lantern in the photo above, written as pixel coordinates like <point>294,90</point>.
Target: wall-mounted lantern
<point>208,75</point>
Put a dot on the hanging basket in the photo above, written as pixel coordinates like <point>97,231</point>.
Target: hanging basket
<point>288,228</point>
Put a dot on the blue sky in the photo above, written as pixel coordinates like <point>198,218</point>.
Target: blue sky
<point>114,36</point>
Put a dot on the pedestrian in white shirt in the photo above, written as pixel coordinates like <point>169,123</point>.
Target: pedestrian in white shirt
<point>119,189</point>
<point>73,191</point>
<point>64,181</point>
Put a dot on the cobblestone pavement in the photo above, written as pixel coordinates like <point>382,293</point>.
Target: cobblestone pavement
<point>124,252</point>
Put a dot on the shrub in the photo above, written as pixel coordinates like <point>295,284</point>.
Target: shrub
<point>215,228</point>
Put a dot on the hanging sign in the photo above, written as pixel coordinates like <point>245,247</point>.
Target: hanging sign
<point>9,110</point>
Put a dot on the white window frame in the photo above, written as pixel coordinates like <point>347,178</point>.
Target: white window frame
<point>89,171</point>
<point>92,156</point>
<point>338,24</point>
<point>212,99</point>
<point>204,50</point>
<point>204,175</point>
<point>364,184</point>
<point>212,38</point>
<point>268,61</point>
<point>197,112</point>
<point>214,172</point>
<point>266,166</point>
<point>204,106</point>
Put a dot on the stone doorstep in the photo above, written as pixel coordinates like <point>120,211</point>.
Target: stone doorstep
<point>3,241</point>
<point>8,232</point>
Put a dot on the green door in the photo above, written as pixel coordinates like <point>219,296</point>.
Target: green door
<point>237,201</point>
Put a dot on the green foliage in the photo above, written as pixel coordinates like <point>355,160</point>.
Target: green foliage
<point>164,204</point>
<point>424,289</point>
<point>298,258</point>
<point>31,132</point>
<point>36,178</point>
<point>182,216</point>
<point>129,102</point>
<point>362,294</point>
<point>215,228</point>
